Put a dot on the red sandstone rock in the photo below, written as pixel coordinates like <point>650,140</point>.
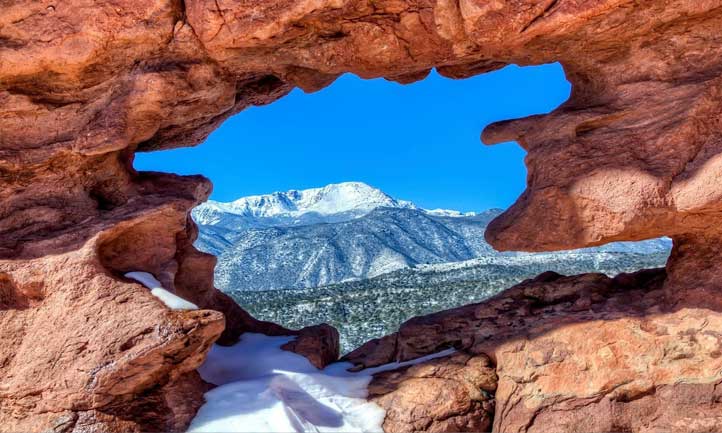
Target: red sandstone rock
<point>450,394</point>
<point>633,154</point>
<point>584,353</point>
<point>80,347</point>
<point>320,344</point>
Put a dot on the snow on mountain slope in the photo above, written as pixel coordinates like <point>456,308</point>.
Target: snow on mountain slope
<point>344,232</point>
<point>448,213</point>
<point>331,203</point>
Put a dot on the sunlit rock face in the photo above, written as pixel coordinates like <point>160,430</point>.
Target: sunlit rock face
<point>634,153</point>
<point>585,353</point>
<point>449,394</point>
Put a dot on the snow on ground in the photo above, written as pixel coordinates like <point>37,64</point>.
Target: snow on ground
<point>174,302</point>
<point>262,388</point>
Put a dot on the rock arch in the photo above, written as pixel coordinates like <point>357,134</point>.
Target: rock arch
<point>634,154</point>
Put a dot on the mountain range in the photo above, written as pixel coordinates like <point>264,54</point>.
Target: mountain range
<point>332,203</point>
<point>345,232</point>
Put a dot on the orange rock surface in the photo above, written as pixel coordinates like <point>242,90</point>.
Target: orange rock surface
<point>450,394</point>
<point>579,354</point>
<point>633,154</point>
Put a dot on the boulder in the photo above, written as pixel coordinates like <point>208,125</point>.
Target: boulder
<point>319,344</point>
<point>449,394</point>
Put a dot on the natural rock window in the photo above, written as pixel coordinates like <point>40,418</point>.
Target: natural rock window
<point>349,254</point>
<point>634,154</point>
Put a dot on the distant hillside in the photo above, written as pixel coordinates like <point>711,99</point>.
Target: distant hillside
<point>371,308</point>
<point>346,232</point>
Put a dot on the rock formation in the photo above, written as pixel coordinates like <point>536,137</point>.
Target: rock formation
<point>633,154</point>
<point>319,344</point>
<point>451,394</point>
<point>573,354</point>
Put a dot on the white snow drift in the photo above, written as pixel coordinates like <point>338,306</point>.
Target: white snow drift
<point>174,302</point>
<point>265,389</point>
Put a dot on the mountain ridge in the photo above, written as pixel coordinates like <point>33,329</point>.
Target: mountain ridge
<point>334,202</point>
<point>345,232</point>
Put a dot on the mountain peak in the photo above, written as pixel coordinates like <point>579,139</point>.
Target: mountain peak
<point>330,199</point>
<point>339,201</point>
<point>347,197</point>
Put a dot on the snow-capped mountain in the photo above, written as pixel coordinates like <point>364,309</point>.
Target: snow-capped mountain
<point>331,203</point>
<point>343,232</point>
<point>382,241</point>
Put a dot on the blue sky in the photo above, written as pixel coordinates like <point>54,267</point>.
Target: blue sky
<point>417,142</point>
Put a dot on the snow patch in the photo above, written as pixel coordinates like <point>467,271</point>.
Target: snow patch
<point>172,301</point>
<point>262,388</point>
<point>385,261</point>
<point>448,213</point>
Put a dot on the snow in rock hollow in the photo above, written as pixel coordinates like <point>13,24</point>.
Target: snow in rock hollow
<point>262,388</point>
<point>172,301</point>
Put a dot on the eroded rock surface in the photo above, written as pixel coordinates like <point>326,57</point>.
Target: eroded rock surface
<point>319,344</point>
<point>84,85</point>
<point>450,394</point>
<point>584,353</point>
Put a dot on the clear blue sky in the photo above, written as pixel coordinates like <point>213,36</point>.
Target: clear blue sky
<point>417,142</point>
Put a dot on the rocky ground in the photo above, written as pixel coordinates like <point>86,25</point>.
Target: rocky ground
<point>633,154</point>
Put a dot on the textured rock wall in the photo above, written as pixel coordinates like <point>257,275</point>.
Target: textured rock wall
<point>84,85</point>
<point>450,394</point>
<point>572,354</point>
